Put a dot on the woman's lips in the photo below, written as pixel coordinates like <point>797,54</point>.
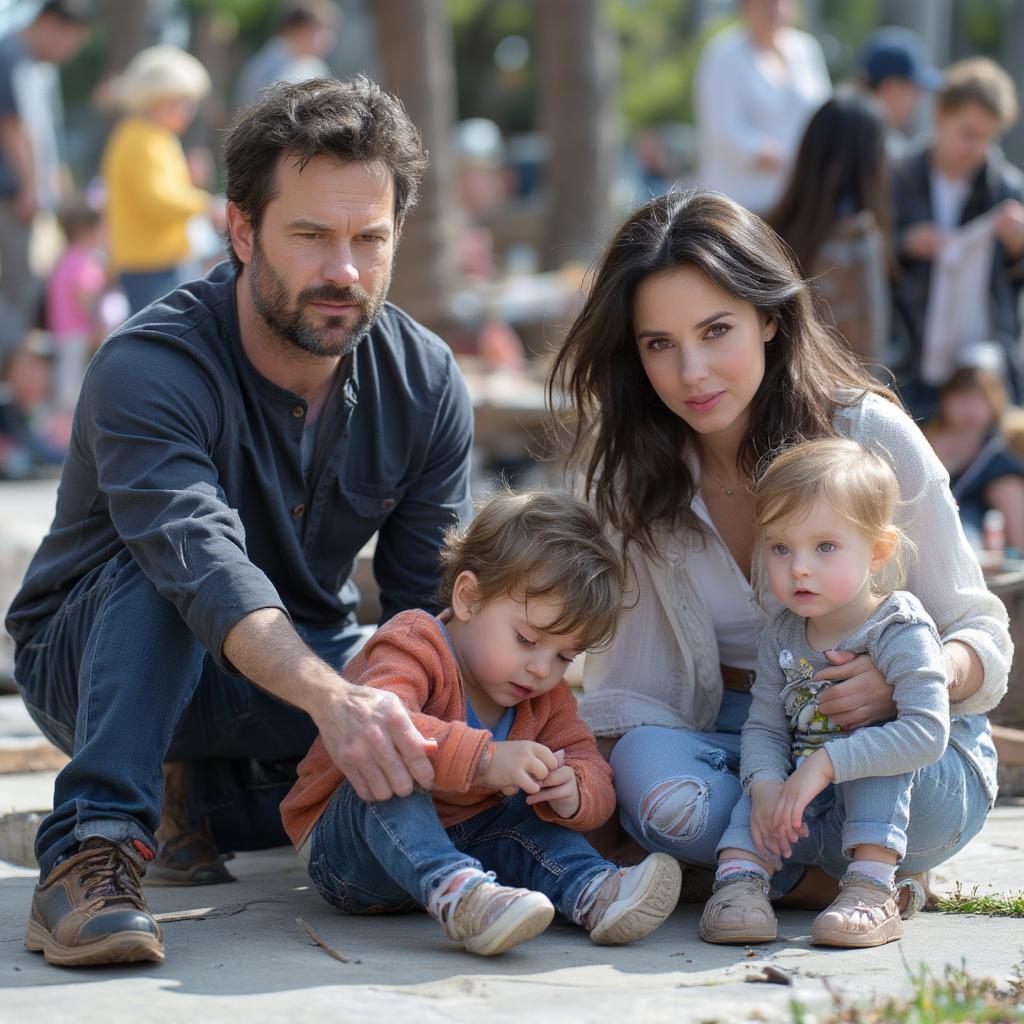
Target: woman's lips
<point>704,403</point>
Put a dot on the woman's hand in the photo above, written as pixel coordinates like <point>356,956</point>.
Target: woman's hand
<point>860,696</point>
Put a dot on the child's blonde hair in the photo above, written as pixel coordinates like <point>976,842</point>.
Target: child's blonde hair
<point>541,544</point>
<point>859,484</point>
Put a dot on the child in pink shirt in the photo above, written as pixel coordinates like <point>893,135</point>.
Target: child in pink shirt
<point>73,292</point>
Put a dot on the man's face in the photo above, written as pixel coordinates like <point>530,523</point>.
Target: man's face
<point>320,262</point>
<point>57,41</point>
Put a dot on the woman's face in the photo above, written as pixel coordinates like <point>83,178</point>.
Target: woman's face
<point>701,348</point>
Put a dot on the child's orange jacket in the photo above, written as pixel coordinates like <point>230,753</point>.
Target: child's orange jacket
<point>410,657</point>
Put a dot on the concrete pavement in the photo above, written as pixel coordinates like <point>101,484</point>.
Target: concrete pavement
<point>242,955</point>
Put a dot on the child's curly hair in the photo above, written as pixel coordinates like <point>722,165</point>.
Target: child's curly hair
<point>541,544</point>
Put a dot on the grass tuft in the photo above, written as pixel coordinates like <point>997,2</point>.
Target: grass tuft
<point>994,904</point>
<point>955,998</point>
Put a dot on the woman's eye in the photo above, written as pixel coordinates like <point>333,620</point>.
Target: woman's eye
<point>826,546</point>
<point>717,330</point>
<point>659,344</point>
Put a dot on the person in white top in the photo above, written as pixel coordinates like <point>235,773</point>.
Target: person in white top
<point>757,85</point>
<point>697,356</point>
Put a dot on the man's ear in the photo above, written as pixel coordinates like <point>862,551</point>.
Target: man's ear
<point>243,238</point>
<point>465,595</point>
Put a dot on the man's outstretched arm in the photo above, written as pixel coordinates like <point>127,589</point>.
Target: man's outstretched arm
<point>367,732</point>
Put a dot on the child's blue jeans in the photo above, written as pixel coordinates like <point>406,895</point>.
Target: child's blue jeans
<point>385,857</point>
<point>861,811</point>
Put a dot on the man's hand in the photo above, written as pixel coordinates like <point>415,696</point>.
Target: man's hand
<point>372,739</point>
<point>764,797</point>
<point>560,789</point>
<point>787,824</point>
<point>924,241</point>
<point>1009,226</point>
<point>26,205</point>
<point>518,765</point>
<point>861,695</point>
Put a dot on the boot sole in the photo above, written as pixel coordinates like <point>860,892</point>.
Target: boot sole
<point>650,906</point>
<point>119,948</point>
<point>203,874</point>
<point>888,931</point>
<point>524,920</point>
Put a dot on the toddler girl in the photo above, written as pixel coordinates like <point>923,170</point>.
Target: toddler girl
<point>532,583</point>
<point>824,512</point>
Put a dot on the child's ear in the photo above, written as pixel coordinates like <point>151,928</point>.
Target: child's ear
<point>465,595</point>
<point>883,549</point>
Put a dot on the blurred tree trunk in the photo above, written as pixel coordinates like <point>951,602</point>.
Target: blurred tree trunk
<point>418,62</point>
<point>579,78</point>
<point>127,23</point>
<point>1013,61</point>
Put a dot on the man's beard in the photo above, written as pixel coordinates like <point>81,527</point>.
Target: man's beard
<point>287,320</point>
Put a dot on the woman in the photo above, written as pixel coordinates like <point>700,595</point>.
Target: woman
<point>696,355</point>
<point>835,217</point>
<point>757,84</point>
<point>965,433</point>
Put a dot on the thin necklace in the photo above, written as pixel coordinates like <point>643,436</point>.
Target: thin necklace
<point>729,491</point>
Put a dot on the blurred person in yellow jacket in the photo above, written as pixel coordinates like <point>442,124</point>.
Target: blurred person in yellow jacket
<point>150,195</point>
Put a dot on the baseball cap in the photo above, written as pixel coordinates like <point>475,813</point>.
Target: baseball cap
<point>898,53</point>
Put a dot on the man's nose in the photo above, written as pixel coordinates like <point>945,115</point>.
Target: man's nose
<point>340,268</point>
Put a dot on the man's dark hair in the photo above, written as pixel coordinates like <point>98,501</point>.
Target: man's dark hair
<point>354,121</point>
<point>75,12</point>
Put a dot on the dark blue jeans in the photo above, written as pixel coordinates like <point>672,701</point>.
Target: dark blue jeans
<point>118,681</point>
<point>378,858</point>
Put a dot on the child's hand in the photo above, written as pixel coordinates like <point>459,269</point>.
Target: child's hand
<point>559,789</point>
<point>797,792</point>
<point>518,764</point>
<point>764,798</point>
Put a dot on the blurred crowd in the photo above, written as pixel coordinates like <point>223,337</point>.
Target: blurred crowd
<point>891,190</point>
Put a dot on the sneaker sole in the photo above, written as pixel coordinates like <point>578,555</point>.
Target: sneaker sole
<point>525,919</point>
<point>650,905</point>
<point>200,874</point>
<point>119,948</point>
<point>739,937</point>
<point>887,931</point>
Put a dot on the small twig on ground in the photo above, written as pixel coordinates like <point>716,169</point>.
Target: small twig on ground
<point>325,946</point>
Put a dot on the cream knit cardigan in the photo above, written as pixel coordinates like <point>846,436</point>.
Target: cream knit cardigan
<point>662,668</point>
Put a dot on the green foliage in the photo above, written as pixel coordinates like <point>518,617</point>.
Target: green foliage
<point>955,998</point>
<point>991,905</point>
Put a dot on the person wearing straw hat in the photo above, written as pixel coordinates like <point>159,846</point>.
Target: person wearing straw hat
<point>150,196</point>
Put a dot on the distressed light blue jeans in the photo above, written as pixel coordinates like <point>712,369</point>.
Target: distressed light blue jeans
<point>677,788</point>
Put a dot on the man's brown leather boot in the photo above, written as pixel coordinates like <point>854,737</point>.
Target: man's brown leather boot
<point>90,909</point>
<point>186,854</point>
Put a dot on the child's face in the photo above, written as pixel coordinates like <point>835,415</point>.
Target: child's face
<point>505,650</point>
<point>820,563</point>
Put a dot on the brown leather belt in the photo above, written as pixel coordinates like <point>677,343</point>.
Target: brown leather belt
<point>736,678</point>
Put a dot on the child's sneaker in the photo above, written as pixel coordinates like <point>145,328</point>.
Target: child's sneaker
<point>632,902</point>
<point>739,912</point>
<point>489,918</point>
<point>863,914</point>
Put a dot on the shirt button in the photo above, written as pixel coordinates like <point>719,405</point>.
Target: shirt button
<point>298,411</point>
<point>387,503</point>
<point>299,511</point>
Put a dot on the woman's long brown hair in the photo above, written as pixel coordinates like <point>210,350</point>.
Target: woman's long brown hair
<point>619,434</point>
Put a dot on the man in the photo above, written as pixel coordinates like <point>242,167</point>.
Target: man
<point>295,53</point>
<point>29,163</point>
<point>234,447</point>
<point>942,184</point>
<point>895,69</point>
